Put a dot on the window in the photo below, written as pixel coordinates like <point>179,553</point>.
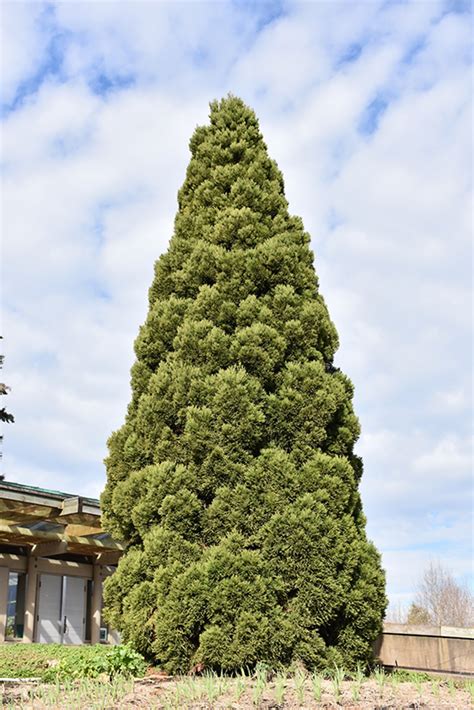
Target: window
<point>16,604</point>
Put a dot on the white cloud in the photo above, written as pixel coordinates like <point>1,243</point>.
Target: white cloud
<point>450,455</point>
<point>454,400</point>
<point>22,44</point>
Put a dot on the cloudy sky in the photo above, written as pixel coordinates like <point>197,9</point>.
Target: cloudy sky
<point>366,108</point>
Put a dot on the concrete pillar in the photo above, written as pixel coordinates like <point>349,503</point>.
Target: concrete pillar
<point>3,602</point>
<point>96,603</point>
<point>30,599</point>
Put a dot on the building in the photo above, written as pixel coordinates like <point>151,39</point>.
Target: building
<point>54,556</point>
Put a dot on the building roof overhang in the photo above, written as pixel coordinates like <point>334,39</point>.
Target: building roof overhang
<point>52,521</point>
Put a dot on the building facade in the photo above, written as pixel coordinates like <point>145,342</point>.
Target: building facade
<point>54,556</point>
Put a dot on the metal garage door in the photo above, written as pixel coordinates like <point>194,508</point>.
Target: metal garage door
<point>61,609</point>
<point>48,628</point>
<point>74,598</point>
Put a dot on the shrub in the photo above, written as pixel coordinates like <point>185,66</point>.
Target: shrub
<point>234,480</point>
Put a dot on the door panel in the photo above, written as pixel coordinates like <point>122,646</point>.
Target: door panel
<point>48,628</point>
<point>74,610</point>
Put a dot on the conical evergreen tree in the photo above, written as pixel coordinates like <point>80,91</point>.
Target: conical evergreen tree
<point>233,479</point>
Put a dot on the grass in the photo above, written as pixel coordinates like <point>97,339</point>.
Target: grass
<point>34,660</point>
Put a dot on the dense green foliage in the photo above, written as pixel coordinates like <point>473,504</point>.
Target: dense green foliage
<point>233,479</point>
<point>55,661</point>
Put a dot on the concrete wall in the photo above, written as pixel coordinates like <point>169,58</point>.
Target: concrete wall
<point>430,648</point>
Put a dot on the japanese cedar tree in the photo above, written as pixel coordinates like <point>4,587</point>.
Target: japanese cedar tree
<point>233,480</point>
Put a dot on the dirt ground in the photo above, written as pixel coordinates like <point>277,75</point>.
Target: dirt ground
<point>159,692</point>
<point>405,695</point>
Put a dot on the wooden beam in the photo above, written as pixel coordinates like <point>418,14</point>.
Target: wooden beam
<point>82,530</point>
<point>72,505</point>
<point>49,549</point>
<point>30,497</point>
<point>25,536</point>
<point>96,604</point>
<point>51,565</point>
<point>16,563</point>
<point>78,508</point>
<point>30,600</point>
<point>3,602</point>
<point>13,509</point>
<point>108,558</point>
<point>73,510</point>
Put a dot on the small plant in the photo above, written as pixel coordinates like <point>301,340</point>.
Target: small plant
<point>85,692</point>
<point>395,679</point>
<point>359,674</point>
<point>300,680</point>
<point>418,682</point>
<point>112,661</point>
<point>380,678</point>
<point>316,682</point>
<point>257,694</point>
<point>177,695</point>
<point>451,687</point>
<point>125,661</point>
<point>261,673</point>
<point>358,679</point>
<point>280,686</point>
<point>355,691</point>
<point>191,689</point>
<point>337,678</point>
<point>212,687</point>
<point>435,687</point>
<point>240,685</point>
<point>260,684</point>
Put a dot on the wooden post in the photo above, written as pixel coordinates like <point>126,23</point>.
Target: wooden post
<point>30,599</point>
<point>3,602</point>
<point>96,603</point>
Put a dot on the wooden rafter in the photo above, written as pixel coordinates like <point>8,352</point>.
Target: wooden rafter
<point>75,543</point>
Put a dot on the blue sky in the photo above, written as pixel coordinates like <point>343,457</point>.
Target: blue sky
<point>366,108</point>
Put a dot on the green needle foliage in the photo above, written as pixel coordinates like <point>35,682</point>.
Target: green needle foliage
<point>233,479</point>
